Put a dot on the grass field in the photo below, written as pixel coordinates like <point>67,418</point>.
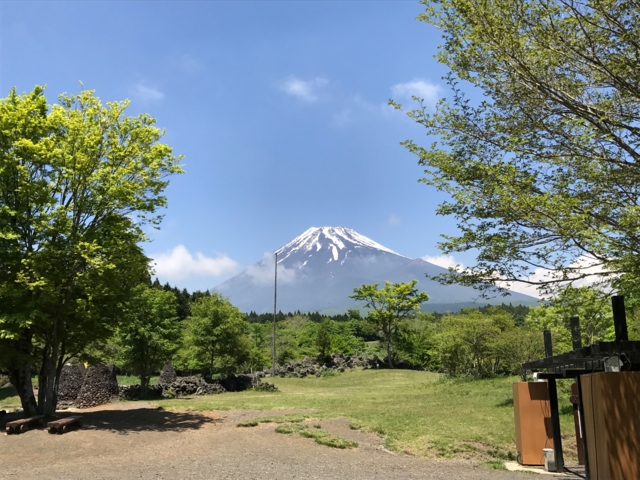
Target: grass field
<point>420,413</point>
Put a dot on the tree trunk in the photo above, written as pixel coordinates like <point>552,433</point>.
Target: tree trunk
<point>21,379</point>
<point>389,353</point>
<point>47,385</point>
<point>144,384</point>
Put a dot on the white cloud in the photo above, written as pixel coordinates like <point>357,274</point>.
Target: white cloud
<point>145,93</point>
<point>445,261</point>
<point>424,89</point>
<point>308,91</point>
<point>179,263</point>
<point>586,264</point>
<point>263,272</point>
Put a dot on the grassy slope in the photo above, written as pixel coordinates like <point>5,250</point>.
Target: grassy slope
<point>419,412</point>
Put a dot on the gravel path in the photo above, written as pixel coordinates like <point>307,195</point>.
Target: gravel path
<point>135,440</point>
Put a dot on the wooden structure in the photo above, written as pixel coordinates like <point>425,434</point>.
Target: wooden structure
<point>65,424</point>
<point>533,421</point>
<point>608,403</point>
<point>612,424</point>
<point>24,424</point>
<point>575,400</point>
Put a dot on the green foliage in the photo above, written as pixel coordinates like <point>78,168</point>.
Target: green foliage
<point>542,170</point>
<point>214,336</point>
<point>416,342</point>
<point>73,176</point>
<point>591,305</point>
<point>389,306</point>
<point>323,338</point>
<point>150,336</point>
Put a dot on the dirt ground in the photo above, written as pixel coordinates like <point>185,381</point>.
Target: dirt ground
<point>136,440</point>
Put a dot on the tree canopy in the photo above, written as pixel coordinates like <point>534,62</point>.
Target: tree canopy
<point>542,166</point>
<point>78,181</point>
<point>215,335</point>
<point>389,306</point>
<point>152,333</point>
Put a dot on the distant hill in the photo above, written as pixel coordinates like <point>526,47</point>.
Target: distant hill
<point>318,270</point>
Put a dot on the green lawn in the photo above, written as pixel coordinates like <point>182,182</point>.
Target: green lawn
<point>419,412</point>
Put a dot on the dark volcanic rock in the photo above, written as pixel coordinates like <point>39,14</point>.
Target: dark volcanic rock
<point>98,387</point>
<point>191,386</point>
<point>168,374</point>
<point>71,380</point>
<point>238,383</point>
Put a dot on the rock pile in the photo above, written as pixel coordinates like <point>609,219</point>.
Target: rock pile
<point>99,385</point>
<point>113,380</point>
<point>238,383</point>
<point>190,386</point>
<point>70,383</point>
<point>317,365</point>
<point>130,392</point>
<point>184,386</point>
<point>167,375</point>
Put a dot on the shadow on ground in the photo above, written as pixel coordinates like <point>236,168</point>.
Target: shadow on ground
<point>6,392</point>
<point>135,420</point>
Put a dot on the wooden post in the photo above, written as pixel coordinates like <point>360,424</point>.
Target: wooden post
<point>575,332</point>
<point>619,318</point>
<point>583,430</point>
<point>553,404</point>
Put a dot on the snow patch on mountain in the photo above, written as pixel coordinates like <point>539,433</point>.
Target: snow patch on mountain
<point>335,239</point>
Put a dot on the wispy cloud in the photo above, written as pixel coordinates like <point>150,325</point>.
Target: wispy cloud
<point>307,90</point>
<point>179,263</point>
<point>423,89</point>
<point>262,273</point>
<point>445,261</point>
<point>146,93</point>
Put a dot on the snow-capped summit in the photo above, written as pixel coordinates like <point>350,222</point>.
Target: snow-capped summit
<point>329,244</point>
<point>318,270</point>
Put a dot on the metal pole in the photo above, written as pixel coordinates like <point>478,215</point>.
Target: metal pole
<point>275,296</point>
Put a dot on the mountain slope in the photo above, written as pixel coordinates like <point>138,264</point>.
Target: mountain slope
<point>318,270</point>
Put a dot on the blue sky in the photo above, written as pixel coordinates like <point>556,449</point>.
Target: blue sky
<point>280,109</point>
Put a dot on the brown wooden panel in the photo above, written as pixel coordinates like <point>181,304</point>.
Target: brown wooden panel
<point>532,415</point>
<point>621,421</point>
<point>612,422</point>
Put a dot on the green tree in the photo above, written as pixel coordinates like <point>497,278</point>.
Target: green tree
<point>517,346</point>
<point>323,338</point>
<point>590,304</point>
<point>215,334</point>
<point>389,306</point>
<point>152,334</point>
<point>542,169</point>
<point>78,181</point>
<point>416,341</point>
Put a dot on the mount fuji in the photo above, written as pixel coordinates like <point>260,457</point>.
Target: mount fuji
<point>318,270</point>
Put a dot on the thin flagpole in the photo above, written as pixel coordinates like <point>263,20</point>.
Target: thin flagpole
<point>275,296</point>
